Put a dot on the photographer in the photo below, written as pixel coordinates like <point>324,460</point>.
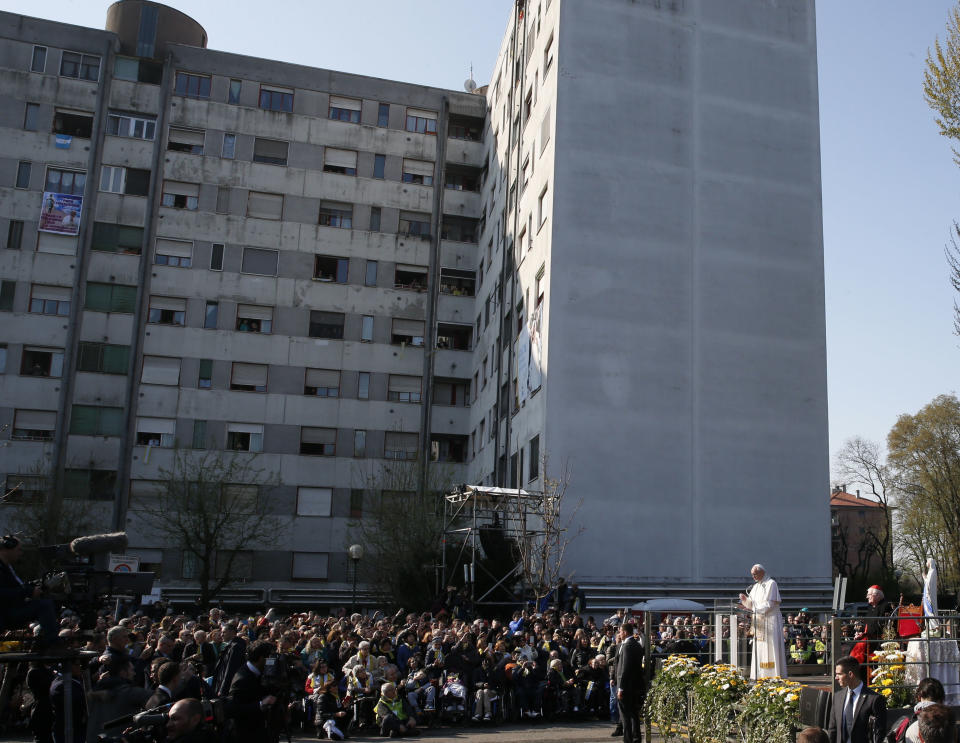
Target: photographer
<point>22,602</point>
<point>114,695</point>
<point>185,723</point>
<point>249,702</point>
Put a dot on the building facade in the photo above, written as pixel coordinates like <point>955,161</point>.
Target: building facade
<point>607,261</point>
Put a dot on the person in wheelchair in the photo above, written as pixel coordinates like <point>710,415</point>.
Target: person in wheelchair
<point>564,689</point>
<point>485,695</point>
<point>361,695</point>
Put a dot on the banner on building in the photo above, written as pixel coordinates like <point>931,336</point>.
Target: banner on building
<point>535,346</point>
<point>523,364</point>
<point>61,213</point>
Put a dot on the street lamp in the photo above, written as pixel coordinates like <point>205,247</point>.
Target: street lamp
<point>356,553</point>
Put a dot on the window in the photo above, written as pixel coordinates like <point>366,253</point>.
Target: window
<point>156,432</point>
<point>270,151</point>
<point>105,358</point>
<point>249,377</point>
<point>454,336</point>
<point>541,210</point>
<point>114,179</point>
<point>314,501</point>
<point>134,126</point>
<point>370,276</point>
<point>15,234</point>
<point>363,385</point>
<point>379,164</point>
<point>359,443</point>
<point>23,174</point>
<point>318,441</point>
<point>264,205</point>
<point>276,99</point>
<point>539,287</point>
<point>459,229</point>
<point>80,66</point>
<point>534,458</point>
<point>374,218</point>
<point>448,448</point>
<point>344,109</point>
<point>366,328</point>
<point>383,114</point>
<point>223,199</point>
<point>179,195</point>
<point>253,318</point>
<point>216,257</point>
<point>163,370</point>
<point>401,388</point>
<point>310,566</point>
<point>199,434</point>
<point>260,262</point>
<point>322,383</point>
<point>458,282</point>
<point>171,252</point>
<point>38,62</point>
<point>244,437</point>
<point>419,172</point>
<point>331,268</point>
<point>407,332</point>
<point>138,70</point>
<point>397,445</point>
<point>49,300</point>
<point>90,420</point>
<point>31,117</point>
<point>453,392</point>
<point>210,315</point>
<point>465,127</point>
<point>547,56</point>
<point>74,123</point>
<point>116,238</point>
<point>167,310</point>
<point>326,324</point>
<point>336,215</point>
<point>89,484</point>
<point>356,504</point>
<point>34,425</point>
<point>545,131</point>
<point>186,140</point>
<point>205,376</point>
<point>415,224</point>
<point>462,180</point>
<point>339,161</point>
<point>233,96</point>
<point>424,122</point>
<point>192,86</point>
<point>41,362</point>
<point>410,277</point>
<point>65,181</point>
<point>228,149</point>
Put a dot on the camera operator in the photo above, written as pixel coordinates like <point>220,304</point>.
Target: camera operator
<point>21,602</point>
<point>114,695</point>
<point>249,702</point>
<point>185,723</point>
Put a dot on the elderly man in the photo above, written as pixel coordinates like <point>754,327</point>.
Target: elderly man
<point>876,618</point>
<point>763,603</point>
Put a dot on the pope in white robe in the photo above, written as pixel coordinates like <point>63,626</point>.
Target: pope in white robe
<point>769,654</point>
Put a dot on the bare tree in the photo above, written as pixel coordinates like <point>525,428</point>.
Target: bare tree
<point>213,506</point>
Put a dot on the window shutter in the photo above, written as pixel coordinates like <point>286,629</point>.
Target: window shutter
<point>180,248</point>
<point>254,375</point>
<point>45,291</point>
<point>35,420</point>
<point>314,501</point>
<point>180,188</point>
<point>160,370</point>
<point>351,104</point>
<point>264,205</point>
<point>156,425</point>
<point>310,435</point>
<point>192,137</point>
<point>340,158</point>
<point>322,378</point>
<point>168,303</point>
<point>403,383</point>
<point>408,327</point>
<point>420,114</point>
<point>418,167</point>
<point>258,261</point>
<point>272,149</point>
<point>254,312</point>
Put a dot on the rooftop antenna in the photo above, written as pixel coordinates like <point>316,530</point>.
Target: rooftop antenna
<point>470,85</point>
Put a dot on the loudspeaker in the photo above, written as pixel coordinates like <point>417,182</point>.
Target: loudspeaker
<point>814,706</point>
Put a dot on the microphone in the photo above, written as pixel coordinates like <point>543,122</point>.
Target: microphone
<point>99,543</point>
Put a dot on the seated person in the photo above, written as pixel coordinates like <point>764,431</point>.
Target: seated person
<point>21,603</point>
<point>392,716</point>
<point>332,717</point>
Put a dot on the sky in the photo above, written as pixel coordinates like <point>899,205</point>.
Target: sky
<point>890,187</point>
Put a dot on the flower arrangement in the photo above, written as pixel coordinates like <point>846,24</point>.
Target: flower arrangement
<point>770,711</point>
<point>888,675</point>
<point>666,705</point>
<point>715,690</point>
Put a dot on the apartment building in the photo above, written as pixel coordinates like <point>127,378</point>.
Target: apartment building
<point>608,261</point>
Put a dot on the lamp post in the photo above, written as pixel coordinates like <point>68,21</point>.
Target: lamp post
<point>356,553</point>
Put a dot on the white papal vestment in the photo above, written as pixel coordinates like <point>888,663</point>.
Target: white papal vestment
<point>769,655</point>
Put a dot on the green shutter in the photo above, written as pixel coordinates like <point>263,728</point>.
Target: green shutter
<point>124,299</point>
<point>88,358</point>
<point>199,434</point>
<point>206,368</point>
<point>129,239</point>
<point>83,420</point>
<point>104,237</point>
<point>7,289</point>
<point>111,421</point>
<point>116,359</point>
<point>98,297</point>
<point>76,483</point>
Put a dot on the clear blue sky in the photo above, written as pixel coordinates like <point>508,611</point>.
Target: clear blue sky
<point>890,189</point>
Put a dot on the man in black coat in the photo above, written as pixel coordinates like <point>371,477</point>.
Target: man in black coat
<point>230,661</point>
<point>21,602</point>
<point>630,683</point>
<point>248,703</point>
<point>859,714</point>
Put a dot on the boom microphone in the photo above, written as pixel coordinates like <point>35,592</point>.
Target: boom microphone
<point>99,543</point>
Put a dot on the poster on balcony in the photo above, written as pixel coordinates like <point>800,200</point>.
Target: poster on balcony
<point>523,364</point>
<point>534,371</point>
<point>61,213</point>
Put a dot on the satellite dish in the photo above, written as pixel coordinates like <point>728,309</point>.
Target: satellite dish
<point>470,85</point>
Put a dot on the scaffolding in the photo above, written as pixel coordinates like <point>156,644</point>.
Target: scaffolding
<point>469,510</point>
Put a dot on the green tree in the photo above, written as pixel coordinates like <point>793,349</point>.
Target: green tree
<point>924,452</point>
<point>941,80</point>
<point>215,507</point>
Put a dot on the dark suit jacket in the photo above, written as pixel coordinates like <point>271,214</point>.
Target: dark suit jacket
<point>243,705</point>
<point>869,705</point>
<point>12,593</point>
<point>630,665</point>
